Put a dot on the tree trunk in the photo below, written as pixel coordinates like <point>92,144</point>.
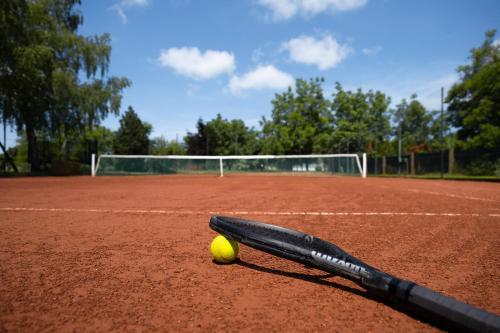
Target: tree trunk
<point>451,161</point>
<point>33,157</point>
<point>65,144</point>
<point>7,158</point>
<point>412,163</point>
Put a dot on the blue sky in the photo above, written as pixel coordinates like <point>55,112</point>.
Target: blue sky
<point>196,58</point>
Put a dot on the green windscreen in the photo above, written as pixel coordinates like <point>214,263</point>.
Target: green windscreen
<point>329,165</point>
<point>151,166</point>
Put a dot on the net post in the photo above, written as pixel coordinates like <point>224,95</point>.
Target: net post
<point>92,166</point>
<point>221,167</point>
<point>364,165</point>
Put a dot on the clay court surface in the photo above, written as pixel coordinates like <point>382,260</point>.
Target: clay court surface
<point>131,253</point>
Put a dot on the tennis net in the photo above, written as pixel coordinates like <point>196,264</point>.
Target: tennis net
<point>336,164</point>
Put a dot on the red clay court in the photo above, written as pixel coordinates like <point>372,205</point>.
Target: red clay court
<point>132,253</point>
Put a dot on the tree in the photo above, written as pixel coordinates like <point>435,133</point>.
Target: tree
<point>379,124</point>
<point>474,102</point>
<point>449,136</point>
<point>221,136</point>
<point>161,146</point>
<point>132,138</point>
<point>413,125</point>
<point>12,33</point>
<point>300,122</point>
<point>197,143</point>
<point>6,159</point>
<point>231,137</point>
<point>103,137</point>
<point>26,69</point>
<point>360,120</point>
<point>42,63</point>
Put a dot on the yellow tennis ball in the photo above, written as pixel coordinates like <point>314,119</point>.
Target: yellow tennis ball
<point>224,250</point>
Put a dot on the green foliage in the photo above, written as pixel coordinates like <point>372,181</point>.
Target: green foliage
<point>304,121</point>
<point>230,137</point>
<point>42,59</point>
<point>413,125</point>
<point>360,121</point>
<point>220,136</point>
<point>102,136</point>
<point>300,122</point>
<point>197,143</point>
<point>161,146</point>
<point>132,138</point>
<point>474,102</point>
<point>480,167</point>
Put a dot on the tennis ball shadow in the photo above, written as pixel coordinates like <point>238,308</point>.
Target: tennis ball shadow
<point>235,261</point>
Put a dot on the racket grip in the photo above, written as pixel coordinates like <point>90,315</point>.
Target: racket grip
<point>464,315</point>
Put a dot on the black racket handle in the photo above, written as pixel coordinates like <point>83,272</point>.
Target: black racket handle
<point>447,307</point>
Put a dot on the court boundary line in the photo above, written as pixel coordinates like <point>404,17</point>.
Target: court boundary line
<point>451,195</point>
<point>235,212</point>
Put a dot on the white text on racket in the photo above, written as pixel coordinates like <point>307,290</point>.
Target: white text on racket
<point>349,268</point>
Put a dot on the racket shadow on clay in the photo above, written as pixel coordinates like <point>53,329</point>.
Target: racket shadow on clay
<point>407,309</point>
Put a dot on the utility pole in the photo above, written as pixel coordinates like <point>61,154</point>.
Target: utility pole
<point>4,139</point>
<point>399,149</point>
<point>206,128</point>
<point>4,130</point>
<point>442,135</point>
<point>235,142</point>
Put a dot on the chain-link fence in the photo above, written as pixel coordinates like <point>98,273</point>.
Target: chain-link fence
<point>453,162</point>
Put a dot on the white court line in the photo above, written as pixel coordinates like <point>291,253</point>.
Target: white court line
<point>193,212</point>
<point>453,195</point>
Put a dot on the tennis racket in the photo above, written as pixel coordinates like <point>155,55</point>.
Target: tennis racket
<point>309,250</point>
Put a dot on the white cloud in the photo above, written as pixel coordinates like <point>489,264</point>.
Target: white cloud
<point>119,7</point>
<point>281,9</point>
<point>325,53</point>
<point>121,14</point>
<point>190,62</point>
<point>372,51</point>
<point>263,77</point>
<point>286,9</point>
<point>131,3</point>
<point>496,43</point>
